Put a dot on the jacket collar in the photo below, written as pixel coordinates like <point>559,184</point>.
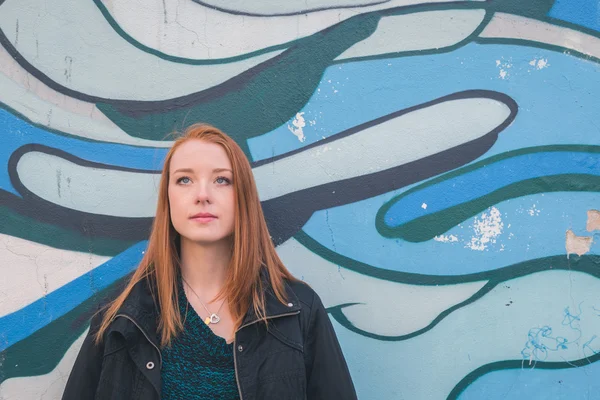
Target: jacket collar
<point>141,307</point>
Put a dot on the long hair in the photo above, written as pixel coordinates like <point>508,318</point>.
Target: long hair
<point>253,251</point>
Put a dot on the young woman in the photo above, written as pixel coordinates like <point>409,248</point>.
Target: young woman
<point>211,312</point>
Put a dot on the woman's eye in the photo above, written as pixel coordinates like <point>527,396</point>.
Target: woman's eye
<point>222,180</point>
<point>184,179</point>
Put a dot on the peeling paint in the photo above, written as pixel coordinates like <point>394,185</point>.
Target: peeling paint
<point>446,238</point>
<point>577,244</point>
<point>539,64</point>
<point>298,123</point>
<point>533,211</point>
<point>593,220</point>
<point>487,228</point>
<point>67,236</point>
<point>504,67</point>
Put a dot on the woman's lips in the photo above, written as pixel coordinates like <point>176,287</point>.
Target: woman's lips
<point>203,218</point>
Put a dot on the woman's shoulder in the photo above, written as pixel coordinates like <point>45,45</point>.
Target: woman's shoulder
<point>305,294</point>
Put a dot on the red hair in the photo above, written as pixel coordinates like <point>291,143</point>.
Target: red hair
<point>252,249</point>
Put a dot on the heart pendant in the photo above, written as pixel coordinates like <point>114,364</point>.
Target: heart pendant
<point>214,319</point>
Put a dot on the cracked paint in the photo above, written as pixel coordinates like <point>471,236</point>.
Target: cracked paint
<point>390,301</point>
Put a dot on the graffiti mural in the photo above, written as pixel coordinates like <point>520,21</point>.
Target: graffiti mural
<point>432,169</point>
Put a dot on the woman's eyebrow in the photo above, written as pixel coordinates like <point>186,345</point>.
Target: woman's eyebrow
<point>183,170</point>
<point>189,170</point>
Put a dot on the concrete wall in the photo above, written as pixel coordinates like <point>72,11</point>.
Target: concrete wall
<point>432,169</point>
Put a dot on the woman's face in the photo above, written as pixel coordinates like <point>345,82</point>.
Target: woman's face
<point>201,194</point>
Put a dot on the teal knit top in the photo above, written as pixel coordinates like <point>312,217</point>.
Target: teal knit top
<point>198,364</point>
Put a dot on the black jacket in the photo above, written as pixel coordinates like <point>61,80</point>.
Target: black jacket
<point>297,357</point>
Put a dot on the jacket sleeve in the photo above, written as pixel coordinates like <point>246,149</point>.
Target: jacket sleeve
<point>328,376</point>
<point>84,377</point>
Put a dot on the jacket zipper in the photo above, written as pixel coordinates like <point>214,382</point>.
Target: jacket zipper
<point>237,380</point>
<point>144,333</point>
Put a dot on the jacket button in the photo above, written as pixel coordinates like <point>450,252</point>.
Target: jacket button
<point>240,348</point>
<point>290,304</point>
<point>150,365</point>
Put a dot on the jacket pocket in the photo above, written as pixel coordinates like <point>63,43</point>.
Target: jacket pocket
<point>271,361</point>
<point>282,373</point>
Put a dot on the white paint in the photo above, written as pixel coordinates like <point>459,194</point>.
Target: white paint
<point>543,63</point>
<point>42,105</point>
<point>417,31</point>
<point>503,66</point>
<point>487,228</point>
<point>298,125</point>
<point>539,64</point>
<point>190,30</point>
<point>533,211</point>
<point>324,149</point>
<point>43,387</point>
<point>407,138</point>
<point>93,190</point>
<point>516,27</point>
<point>41,270</point>
<point>386,308</point>
<point>446,238</point>
<point>94,59</point>
<point>302,6</point>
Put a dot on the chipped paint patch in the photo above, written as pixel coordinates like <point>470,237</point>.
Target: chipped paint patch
<point>533,211</point>
<point>424,206</point>
<point>298,123</point>
<point>539,64</point>
<point>504,67</point>
<point>487,228</point>
<point>446,238</point>
<point>577,244</point>
<point>593,220</point>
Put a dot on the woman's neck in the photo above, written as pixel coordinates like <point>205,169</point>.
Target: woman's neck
<point>204,267</point>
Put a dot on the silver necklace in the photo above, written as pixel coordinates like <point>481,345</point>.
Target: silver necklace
<point>213,318</point>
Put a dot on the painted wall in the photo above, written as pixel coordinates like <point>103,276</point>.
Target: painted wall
<point>432,169</point>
